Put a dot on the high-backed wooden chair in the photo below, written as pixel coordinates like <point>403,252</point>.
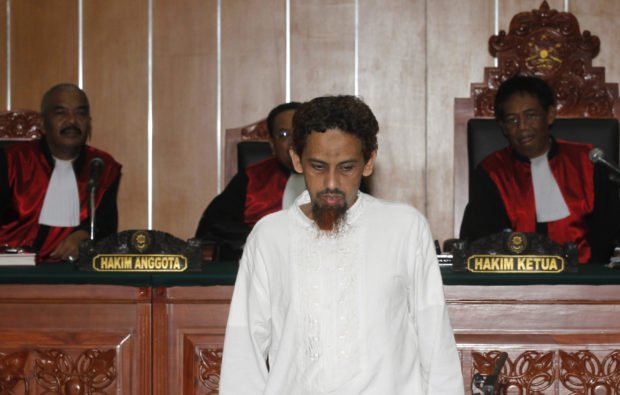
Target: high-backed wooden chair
<point>548,44</point>
<point>245,145</point>
<point>18,125</point>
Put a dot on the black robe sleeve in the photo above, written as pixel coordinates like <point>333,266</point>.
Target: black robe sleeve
<point>223,219</point>
<point>485,213</point>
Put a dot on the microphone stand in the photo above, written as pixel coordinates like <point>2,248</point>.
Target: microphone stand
<point>488,388</point>
<point>91,209</point>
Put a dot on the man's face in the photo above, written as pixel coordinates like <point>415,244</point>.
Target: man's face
<point>66,123</point>
<point>333,165</point>
<point>526,124</point>
<point>282,139</point>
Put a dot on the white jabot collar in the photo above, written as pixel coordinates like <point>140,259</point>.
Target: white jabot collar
<point>61,206</point>
<point>550,204</point>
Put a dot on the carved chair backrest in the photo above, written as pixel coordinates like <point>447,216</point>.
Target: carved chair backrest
<point>245,145</point>
<point>19,125</point>
<point>548,44</point>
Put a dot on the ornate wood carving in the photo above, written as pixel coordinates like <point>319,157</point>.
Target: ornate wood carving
<point>12,371</point>
<point>210,361</point>
<point>531,372</point>
<point>92,372</point>
<point>19,124</point>
<point>548,44</point>
<point>537,372</point>
<point>255,131</point>
<point>57,372</point>
<point>583,373</point>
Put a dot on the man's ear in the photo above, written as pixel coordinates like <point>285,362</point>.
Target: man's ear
<point>369,166</point>
<point>296,160</point>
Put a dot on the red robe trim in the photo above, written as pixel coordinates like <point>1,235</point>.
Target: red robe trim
<point>575,176</point>
<point>29,174</point>
<point>266,183</point>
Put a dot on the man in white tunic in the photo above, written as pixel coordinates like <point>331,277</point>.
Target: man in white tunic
<point>340,293</point>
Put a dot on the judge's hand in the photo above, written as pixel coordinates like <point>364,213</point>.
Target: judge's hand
<point>69,247</point>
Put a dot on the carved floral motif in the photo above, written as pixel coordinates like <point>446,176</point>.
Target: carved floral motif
<point>12,371</point>
<point>583,373</point>
<point>548,44</point>
<point>532,372</point>
<point>92,372</point>
<point>19,124</point>
<point>210,360</point>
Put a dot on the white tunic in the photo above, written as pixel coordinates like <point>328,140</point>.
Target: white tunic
<point>359,313</point>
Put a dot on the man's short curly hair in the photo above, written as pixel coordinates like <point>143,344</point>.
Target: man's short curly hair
<point>523,84</point>
<point>271,118</point>
<point>347,113</point>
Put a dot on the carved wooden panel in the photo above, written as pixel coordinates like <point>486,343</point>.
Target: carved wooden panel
<point>91,371</point>
<point>43,362</point>
<point>19,124</point>
<point>551,370</point>
<point>560,339</point>
<point>75,339</point>
<point>202,357</point>
<point>13,372</point>
<point>529,372</point>
<point>189,327</point>
<point>584,372</point>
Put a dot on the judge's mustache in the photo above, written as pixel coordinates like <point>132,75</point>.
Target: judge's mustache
<point>71,128</point>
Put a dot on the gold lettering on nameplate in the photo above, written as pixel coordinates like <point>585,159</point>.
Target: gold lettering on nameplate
<point>515,264</point>
<point>139,263</point>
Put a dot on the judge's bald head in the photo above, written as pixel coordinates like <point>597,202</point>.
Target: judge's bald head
<point>65,120</point>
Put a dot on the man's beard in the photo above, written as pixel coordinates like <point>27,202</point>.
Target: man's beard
<point>329,218</point>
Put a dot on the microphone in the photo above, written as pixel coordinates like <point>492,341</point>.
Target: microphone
<point>596,155</point>
<point>96,166</point>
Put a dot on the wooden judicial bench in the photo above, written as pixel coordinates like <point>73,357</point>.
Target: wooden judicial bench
<point>64,331</point>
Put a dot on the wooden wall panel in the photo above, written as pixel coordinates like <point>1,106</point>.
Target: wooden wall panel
<point>3,58</point>
<point>391,81</point>
<point>189,326</point>
<point>44,47</point>
<point>76,323</point>
<point>602,19</point>
<point>116,81</point>
<point>322,48</point>
<point>414,58</point>
<point>458,34</point>
<point>253,60</point>
<point>184,113</point>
